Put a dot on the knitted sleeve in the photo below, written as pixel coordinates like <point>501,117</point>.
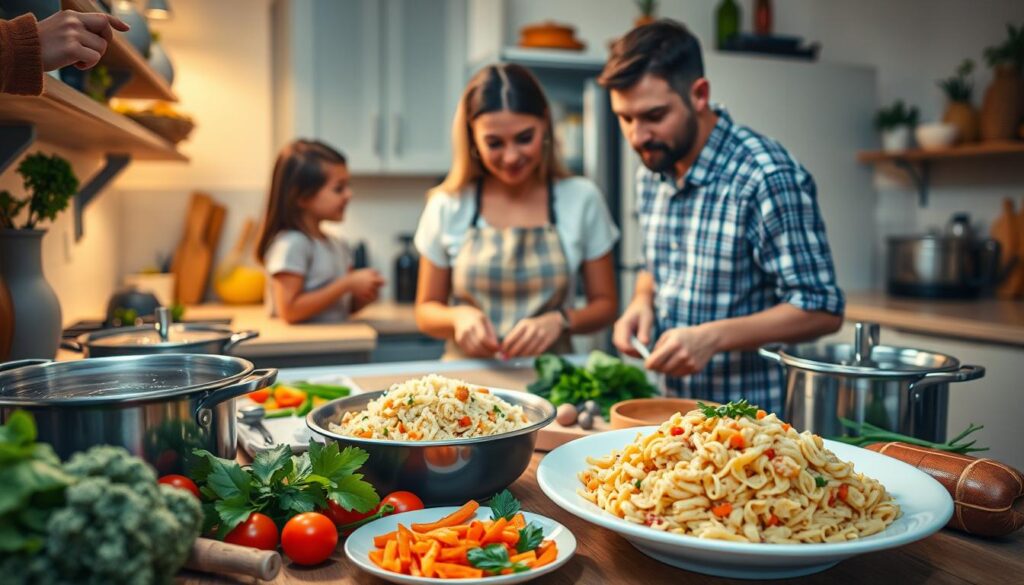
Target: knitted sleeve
<point>21,62</point>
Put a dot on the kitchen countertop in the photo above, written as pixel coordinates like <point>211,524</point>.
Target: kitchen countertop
<point>989,320</point>
<point>603,556</point>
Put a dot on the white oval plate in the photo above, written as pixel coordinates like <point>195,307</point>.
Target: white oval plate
<point>360,543</point>
<point>925,505</point>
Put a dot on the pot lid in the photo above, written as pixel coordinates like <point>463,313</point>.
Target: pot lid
<point>178,335</point>
<point>884,361</point>
<point>117,379</point>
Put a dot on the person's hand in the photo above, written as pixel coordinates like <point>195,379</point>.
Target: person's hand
<point>474,333</point>
<point>638,320</point>
<point>683,350</point>
<point>365,284</point>
<point>533,335</point>
<point>78,38</point>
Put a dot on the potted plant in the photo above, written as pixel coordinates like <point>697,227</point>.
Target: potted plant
<point>647,8</point>
<point>896,123</point>
<point>959,111</point>
<point>1001,106</point>
<point>50,183</point>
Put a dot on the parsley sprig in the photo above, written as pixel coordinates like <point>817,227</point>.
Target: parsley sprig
<point>731,409</point>
<point>493,558</point>
<point>504,505</point>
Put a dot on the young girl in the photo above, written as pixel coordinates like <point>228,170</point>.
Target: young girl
<point>310,271</point>
<point>506,235</point>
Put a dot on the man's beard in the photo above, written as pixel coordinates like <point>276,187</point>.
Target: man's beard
<point>661,156</point>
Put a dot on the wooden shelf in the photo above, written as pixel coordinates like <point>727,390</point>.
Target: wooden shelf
<point>68,118</point>
<point>145,82</point>
<point>982,149</point>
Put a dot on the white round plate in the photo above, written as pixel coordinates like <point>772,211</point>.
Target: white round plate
<point>925,505</point>
<point>360,543</point>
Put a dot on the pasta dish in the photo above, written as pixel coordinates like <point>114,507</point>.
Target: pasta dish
<point>737,473</point>
<point>432,408</point>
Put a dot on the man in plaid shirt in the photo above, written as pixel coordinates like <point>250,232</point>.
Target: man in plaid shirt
<point>735,254</point>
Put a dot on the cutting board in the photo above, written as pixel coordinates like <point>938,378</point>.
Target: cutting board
<point>191,265</point>
<point>1006,231</point>
<point>509,377</point>
<point>234,257</point>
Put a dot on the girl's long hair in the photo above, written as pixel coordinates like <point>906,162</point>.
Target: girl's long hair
<point>496,88</point>
<point>300,172</point>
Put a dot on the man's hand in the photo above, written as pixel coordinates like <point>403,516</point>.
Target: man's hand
<point>637,319</point>
<point>684,350</point>
<point>78,38</point>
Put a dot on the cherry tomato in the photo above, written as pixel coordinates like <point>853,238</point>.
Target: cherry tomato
<point>340,516</point>
<point>403,501</point>
<point>180,482</point>
<point>258,531</point>
<point>309,538</point>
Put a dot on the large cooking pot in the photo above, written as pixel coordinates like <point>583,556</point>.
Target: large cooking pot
<point>897,388</point>
<point>159,407</point>
<point>159,337</point>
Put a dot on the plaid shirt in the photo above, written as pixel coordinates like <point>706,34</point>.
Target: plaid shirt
<point>743,234</point>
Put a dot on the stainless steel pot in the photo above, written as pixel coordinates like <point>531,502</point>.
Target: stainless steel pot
<point>160,337</point>
<point>900,389</point>
<point>935,266</point>
<point>159,407</point>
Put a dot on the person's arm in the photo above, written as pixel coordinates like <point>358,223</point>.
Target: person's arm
<point>295,306</point>
<point>21,65</point>
<point>471,330</point>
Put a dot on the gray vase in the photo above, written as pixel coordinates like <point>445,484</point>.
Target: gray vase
<point>37,323</point>
<point>138,36</point>
<point>158,60</point>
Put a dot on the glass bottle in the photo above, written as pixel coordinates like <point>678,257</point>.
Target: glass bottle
<point>763,17</point>
<point>727,22</point>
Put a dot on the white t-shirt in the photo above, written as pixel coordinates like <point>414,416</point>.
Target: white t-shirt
<point>581,217</point>
<point>318,261</point>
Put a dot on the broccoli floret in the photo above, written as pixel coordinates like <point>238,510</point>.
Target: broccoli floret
<point>118,526</point>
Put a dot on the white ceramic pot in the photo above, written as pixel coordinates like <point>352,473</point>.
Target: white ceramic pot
<point>935,136</point>
<point>896,139</point>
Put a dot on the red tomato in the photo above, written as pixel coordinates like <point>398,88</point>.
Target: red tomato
<point>260,395</point>
<point>180,482</point>
<point>258,531</point>
<point>309,538</point>
<point>340,516</point>
<point>403,501</point>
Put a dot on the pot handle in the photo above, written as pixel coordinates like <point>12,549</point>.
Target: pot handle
<point>71,345</point>
<point>22,363</point>
<point>964,374</point>
<point>239,338</point>
<point>257,380</point>
<point>772,352</point>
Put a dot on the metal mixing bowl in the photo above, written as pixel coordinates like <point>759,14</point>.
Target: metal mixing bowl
<point>442,472</point>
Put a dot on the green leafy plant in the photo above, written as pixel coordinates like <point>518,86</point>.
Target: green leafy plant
<point>868,433</point>
<point>504,505</point>
<point>647,7</point>
<point>729,410</point>
<point>494,559</point>
<point>98,83</point>
<point>959,87</point>
<point>51,182</point>
<point>603,379</point>
<point>1010,51</point>
<point>899,114</point>
<point>281,485</point>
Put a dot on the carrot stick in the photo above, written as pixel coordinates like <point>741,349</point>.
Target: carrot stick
<point>457,517</point>
<point>445,536</point>
<point>404,537</point>
<point>382,540</point>
<point>414,568</point>
<point>519,521</point>
<point>548,556</point>
<point>427,563</point>
<point>454,554</point>
<point>476,531</point>
<point>377,556</point>
<point>510,537</point>
<point>453,571</point>
<point>526,556</point>
<point>390,554</point>
<point>420,548</point>
<point>493,533</point>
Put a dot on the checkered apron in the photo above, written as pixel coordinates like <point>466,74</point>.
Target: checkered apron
<point>511,273</point>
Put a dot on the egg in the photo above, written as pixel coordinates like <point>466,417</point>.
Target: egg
<point>566,415</point>
<point>586,420</point>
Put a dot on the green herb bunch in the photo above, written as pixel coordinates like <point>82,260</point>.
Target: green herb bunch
<point>1011,51</point>
<point>868,433</point>
<point>729,410</point>
<point>281,485</point>
<point>959,87</point>
<point>51,182</point>
<point>603,379</point>
<point>899,114</point>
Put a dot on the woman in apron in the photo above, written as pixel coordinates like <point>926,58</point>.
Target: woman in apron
<point>508,236</point>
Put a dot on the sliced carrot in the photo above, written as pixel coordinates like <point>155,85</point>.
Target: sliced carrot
<point>414,568</point>
<point>428,560</point>
<point>519,521</point>
<point>546,557</point>
<point>260,395</point>
<point>510,537</point>
<point>722,510</point>
<point>377,556</point>
<point>444,536</point>
<point>390,554</point>
<point>493,533</point>
<point>453,554</point>
<point>476,531</point>
<point>453,571</point>
<point>404,541</point>
<point>524,557</point>
<point>772,520</point>
<point>471,543</point>
<point>457,517</point>
<point>786,427</point>
<point>421,547</point>
<point>761,414</point>
<point>544,546</point>
<point>737,441</point>
<point>382,540</point>
<point>460,529</point>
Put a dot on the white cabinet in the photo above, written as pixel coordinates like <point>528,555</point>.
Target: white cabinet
<point>377,79</point>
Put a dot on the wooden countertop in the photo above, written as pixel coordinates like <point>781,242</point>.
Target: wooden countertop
<point>989,320</point>
<point>605,557</point>
<point>278,338</point>
<point>389,318</point>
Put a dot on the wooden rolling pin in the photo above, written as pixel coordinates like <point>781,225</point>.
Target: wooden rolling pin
<point>988,496</point>
<point>214,556</point>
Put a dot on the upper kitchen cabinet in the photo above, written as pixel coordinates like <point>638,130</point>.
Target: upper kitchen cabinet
<point>377,79</point>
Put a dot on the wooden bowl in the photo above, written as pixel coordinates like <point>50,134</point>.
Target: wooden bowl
<point>641,412</point>
<point>550,35</point>
<point>174,130</point>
